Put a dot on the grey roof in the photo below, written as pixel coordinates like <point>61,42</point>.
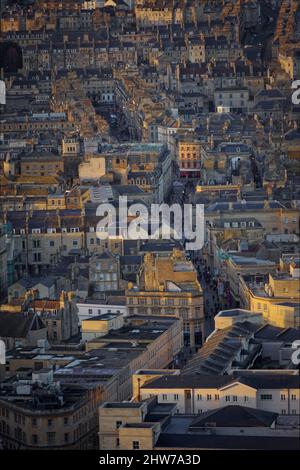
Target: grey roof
<point>268,380</point>
<point>28,281</point>
<point>235,312</point>
<point>131,189</point>
<point>220,350</point>
<point>258,381</point>
<point>235,416</point>
<point>243,206</point>
<point>188,381</point>
<point>273,93</point>
<point>130,260</point>
<point>186,441</point>
<point>159,245</point>
<point>275,333</point>
<point>18,325</point>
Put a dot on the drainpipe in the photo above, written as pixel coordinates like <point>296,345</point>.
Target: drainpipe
<point>193,401</point>
<point>139,389</point>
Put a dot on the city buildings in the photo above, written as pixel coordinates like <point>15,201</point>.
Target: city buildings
<point>115,341</point>
<point>169,286</point>
<point>150,425</point>
<point>3,261</point>
<point>195,394</point>
<point>54,402</point>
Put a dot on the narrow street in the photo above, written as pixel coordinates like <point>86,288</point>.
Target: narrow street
<point>215,299</point>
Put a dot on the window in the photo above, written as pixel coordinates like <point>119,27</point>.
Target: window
<point>227,398</point>
<point>66,437</point>
<point>294,397</point>
<point>246,398</point>
<point>165,397</point>
<point>208,397</point>
<point>51,243</point>
<point>234,398</point>
<point>37,257</point>
<point>118,424</point>
<point>51,437</point>
<point>34,439</point>
<point>49,423</point>
<point>282,397</point>
<point>199,397</point>
<point>176,396</point>
<point>66,420</point>
<point>90,311</point>
<point>217,397</point>
<point>266,397</point>
<point>283,412</point>
<point>34,422</point>
<point>135,445</point>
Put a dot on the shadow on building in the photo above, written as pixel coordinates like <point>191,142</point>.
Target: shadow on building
<point>11,58</point>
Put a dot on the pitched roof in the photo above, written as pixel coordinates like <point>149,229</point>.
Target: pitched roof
<point>188,381</point>
<point>235,416</point>
<point>257,381</point>
<point>193,441</point>
<point>18,325</point>
<point>220,350</point>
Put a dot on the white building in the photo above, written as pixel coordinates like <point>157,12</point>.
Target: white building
<point>232,98</point>
<point>276,391</point>
<point>90,309</point>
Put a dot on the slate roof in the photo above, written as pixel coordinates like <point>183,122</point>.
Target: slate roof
<point>277,334</point>
<point>27,281</point>
<point>220,350</point>
<point>235,416</point>
<point>258,381</point>
<point>185,441</point>
<point>188,381</point>
<point>18,325</point>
